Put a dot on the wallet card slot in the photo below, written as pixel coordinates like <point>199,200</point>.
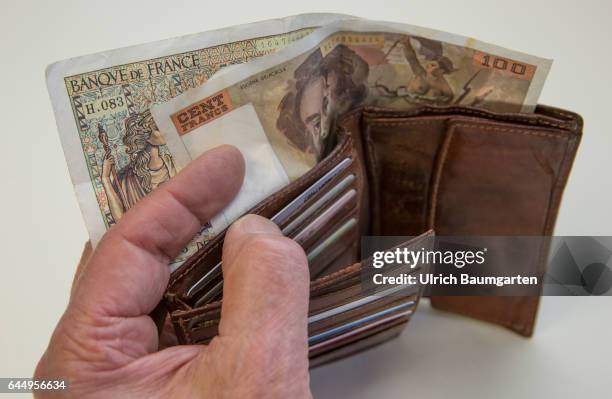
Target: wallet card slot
<point>199,264</point>
<point>301,216</point>
<point>318,228</point>
<point>331,294</point>
<point>339,246</point>
<point>202,268</point>
<point>303,198</point>
<point>203,331</point>
<point>349,315</point>
<point>211,294</point>
<point>352,305</point>
<point>327,302</point>
<point>326,292</point>
<point>336,260</point>
<point>208,286</point>
<point>214,282</point>
<point>209,313</point>
<point>205,279</point>
<point>367,339</point>
<point>348,342</point>
<point>365,309</point>
<point>207,316</point>
<point>382,316</point>
<point>335,237</point>
<point>319,196</point>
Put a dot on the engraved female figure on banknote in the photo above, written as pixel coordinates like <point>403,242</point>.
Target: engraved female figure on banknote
<point>149,165</point>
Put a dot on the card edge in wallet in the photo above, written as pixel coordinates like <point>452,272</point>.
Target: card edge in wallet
<point>343,149</point>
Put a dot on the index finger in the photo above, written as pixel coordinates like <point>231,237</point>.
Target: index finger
<point>128,271</point>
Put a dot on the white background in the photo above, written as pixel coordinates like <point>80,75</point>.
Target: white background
<point>42,233</point>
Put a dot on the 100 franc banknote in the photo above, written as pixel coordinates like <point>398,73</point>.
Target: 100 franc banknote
<point>286,102</point>
<point>114,150</point>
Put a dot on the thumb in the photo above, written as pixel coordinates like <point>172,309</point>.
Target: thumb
<point>266,281</point>
<point>265,300</point>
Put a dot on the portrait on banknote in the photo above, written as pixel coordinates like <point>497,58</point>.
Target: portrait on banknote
<point>338,78</point>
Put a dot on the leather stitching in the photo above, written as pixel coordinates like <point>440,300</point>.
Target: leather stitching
<point>524,131</point>
<point>378,112</point>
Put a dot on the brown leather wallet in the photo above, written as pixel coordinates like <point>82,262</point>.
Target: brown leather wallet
<point>453,170</point>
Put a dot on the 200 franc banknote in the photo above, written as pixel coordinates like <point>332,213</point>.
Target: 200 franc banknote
<point>114,151</point>
<point>284,104</point>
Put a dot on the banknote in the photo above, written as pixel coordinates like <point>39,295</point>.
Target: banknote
<point>114,151</point>
<point>296,93</point>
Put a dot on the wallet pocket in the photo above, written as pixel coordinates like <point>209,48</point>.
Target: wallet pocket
<point>336,250</point>
<point>468,172</point>
<point>344,312</point>
<point>314,209</point>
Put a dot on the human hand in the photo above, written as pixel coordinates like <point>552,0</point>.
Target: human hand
<point>106,346</point>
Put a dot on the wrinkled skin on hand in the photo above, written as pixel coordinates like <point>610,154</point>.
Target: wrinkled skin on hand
<point>106,346</point>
